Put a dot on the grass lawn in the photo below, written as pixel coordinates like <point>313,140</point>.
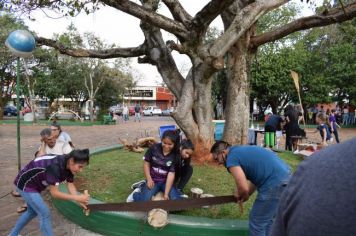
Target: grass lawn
<point>110,176</point>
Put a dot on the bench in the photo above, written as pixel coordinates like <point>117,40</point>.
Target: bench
<point>107,120</point>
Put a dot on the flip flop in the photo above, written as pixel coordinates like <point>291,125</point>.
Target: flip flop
<point>21,209</point>
<point>15,194</point>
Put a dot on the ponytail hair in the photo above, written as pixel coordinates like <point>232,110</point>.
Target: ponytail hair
<point>79,155</point>
<point>186,144</point>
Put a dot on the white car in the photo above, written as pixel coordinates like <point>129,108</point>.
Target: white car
<point>150,111</point>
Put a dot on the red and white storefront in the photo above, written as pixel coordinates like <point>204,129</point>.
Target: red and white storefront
<point>150,96</point>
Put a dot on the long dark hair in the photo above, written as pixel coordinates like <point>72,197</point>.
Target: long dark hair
<point>173,135</point>
<point>186,144</point>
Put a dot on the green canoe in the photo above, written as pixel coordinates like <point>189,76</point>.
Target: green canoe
<point>132,223</point>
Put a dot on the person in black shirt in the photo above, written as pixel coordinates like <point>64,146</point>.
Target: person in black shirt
<point>184,170</point>
<point>291,127</point>
<point>273,124</point>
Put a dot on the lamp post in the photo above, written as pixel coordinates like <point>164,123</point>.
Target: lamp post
<point>21,43</point>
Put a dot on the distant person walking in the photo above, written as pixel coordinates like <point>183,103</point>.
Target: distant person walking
<point>137,113</point>
<point>125,113</point>
<point>334,125</point>
<point>345,115</point>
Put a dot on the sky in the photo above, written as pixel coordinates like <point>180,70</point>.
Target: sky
<point>114,26</point>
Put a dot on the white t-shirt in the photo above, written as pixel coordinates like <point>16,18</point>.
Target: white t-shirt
<point>59,148</point>
<point>125,110</point>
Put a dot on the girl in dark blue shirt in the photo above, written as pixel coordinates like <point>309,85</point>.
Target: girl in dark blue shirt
<point>159,169</point>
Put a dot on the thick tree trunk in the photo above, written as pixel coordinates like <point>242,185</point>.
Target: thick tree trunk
<point>194,113</point>
<point>238,105</point>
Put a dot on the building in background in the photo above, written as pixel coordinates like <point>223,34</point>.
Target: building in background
<point>145,96</point>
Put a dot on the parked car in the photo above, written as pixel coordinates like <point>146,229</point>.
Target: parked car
<point>116,109</point>
<point>151,110</point>
<point>131,111</point>
<point>10,111</point>
<point>168,111</point>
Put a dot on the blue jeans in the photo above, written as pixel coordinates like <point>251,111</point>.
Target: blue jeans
<point>264,210</point>
<point>137,116</point>
<point>35,206</point>
<point>345,119</point>
<point>146,194</point>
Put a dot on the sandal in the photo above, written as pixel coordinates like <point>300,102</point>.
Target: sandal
<point>21,209</point>
<point>15,194</point>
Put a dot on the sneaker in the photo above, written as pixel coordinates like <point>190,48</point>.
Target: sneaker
<point>130,197</point>
<point>138,184</point>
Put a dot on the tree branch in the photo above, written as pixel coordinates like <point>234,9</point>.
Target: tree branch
<point>149,16</point>
<point>102,54</point>
<point>175,46</point>
<point>242,21</point>
<point>335,15</point>
<point>211,10</point>
<point>178,12</point>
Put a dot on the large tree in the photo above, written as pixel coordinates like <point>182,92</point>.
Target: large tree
<point>237,44</point>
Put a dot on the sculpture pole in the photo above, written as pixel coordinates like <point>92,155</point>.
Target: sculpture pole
<point>18,114</point>
<point>21,43</point>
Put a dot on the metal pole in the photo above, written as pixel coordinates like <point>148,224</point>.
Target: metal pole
<point>18,114</point>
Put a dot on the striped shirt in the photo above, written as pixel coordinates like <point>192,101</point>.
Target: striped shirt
<point>43,171</point>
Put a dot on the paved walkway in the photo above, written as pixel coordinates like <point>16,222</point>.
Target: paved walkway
<point>83,137</point>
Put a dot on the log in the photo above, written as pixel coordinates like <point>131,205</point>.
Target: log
<point>146,142</point>
<point>131,147</point>
<point>157,217</point>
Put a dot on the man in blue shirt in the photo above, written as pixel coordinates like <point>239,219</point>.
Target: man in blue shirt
<point>254,168</point>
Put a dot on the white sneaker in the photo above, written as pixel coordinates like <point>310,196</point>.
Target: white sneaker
<point>138,184</point>
<point>130,197</point>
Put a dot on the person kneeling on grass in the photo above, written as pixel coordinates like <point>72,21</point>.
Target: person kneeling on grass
<point>183,168</point>
<point>159,169</point>
<point>255,167</point>
<point>44,171</point>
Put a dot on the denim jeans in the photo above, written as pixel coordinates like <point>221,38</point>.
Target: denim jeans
<point>345,119</point>
<point>35,206</point>
<point>146,194</point>
<point>137,116</point>
<point>264,210</point>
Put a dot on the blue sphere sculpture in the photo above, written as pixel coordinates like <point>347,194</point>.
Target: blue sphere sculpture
<point>21,43</point>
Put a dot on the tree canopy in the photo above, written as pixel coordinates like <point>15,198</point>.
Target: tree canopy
<point>233,49</point>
